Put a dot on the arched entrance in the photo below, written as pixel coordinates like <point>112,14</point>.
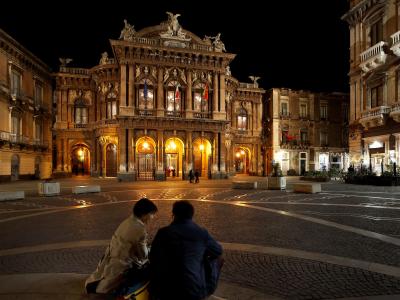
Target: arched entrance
<point>37,167</point>
<point>80,160</point>
<point>14,167</point>
<point>174,151</point>
<point>145,154</point>
<point>202,156</point>
<point>111,160</point>
<point>242,160</point>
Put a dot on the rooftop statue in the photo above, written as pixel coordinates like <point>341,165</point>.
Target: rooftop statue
<point>219,46</point>
<point>128,32</point>
<point>255,78</point>
<point>174,29</point>
<point>65,61</point>
<point>228,71</point>
<point>104,58</point>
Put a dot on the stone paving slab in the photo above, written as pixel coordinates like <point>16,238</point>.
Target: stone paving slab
<point>279,276</point>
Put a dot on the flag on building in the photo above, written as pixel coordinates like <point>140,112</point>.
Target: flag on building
<point>177,93</point>
<point>145,90</point>
<point>205,92</point>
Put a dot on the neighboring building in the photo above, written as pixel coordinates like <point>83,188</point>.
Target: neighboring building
<point>25,113</point>
<point>166,104</point>
<point>374,82</point>
<point>307,131</point>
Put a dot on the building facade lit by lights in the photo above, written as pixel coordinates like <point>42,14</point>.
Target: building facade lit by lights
<point>165,103</point>
<point>307,131</point>
<point>25,113</point>
<point>374,135</point>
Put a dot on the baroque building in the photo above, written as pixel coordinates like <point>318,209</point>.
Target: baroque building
<point>307,131</point>
<point>25,113</point>
<point>374,137</point>
<point>164,104</point>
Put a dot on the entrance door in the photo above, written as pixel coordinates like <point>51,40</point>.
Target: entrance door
<point>172,160</point>
<point>37,167</point>
<point>111,160</point>
<point>146,166</point>
<point>14,167</point>
<point>285,162</point>
<point>303,160</point>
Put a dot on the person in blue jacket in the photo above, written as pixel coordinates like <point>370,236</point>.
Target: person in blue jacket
<point>179,256</point>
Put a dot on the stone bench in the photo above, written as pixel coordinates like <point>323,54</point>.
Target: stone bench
<point>49,188</point>
<point>244,185</point>
<point>83,189</point>
<point>310,188</point>
<point>262,184</point>
<point>5,196</point>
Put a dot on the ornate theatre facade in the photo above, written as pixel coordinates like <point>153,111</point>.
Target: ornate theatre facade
<point>164,104</point>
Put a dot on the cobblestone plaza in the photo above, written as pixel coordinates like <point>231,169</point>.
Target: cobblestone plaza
<point>343,242</point>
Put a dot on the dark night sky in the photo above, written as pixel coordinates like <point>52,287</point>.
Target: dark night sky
<point>292,43</point>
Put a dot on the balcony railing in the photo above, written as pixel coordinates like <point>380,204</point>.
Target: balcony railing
<point>173,113</point>
<point>396,43</point>
<point>242,131</point>
<point>284,115</point>
<point>201,115</point>
<point>373,57</point>
<point>14,138</point>
<point>80,125</point>
<point>145,112</point>
<point>375,117</point>
<point>76,71</point>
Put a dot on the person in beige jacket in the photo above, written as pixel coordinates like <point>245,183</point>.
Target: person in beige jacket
<point>127,253</point>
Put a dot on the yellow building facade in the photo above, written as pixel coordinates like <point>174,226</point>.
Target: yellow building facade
<point>164,103</point>
<point>25,113</point>
<point>374,137</point>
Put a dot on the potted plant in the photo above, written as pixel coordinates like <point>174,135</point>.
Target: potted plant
<point>276,181</point>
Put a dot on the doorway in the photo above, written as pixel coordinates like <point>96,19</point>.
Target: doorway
<point>303,162</point>
<point>145,148</point>
<point>111,160</point>
<point>14,167</point>
<point>80,160</point>
<point>202,156</point>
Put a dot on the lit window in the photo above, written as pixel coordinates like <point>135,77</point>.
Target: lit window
<point>323,111</point>
<point>284,109</point>
<point>174,97</point>
<point>242,119</point>
<point>81,112</point>
<point>303,110</point>
<point>146,94</point>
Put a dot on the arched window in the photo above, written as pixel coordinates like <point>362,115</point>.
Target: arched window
<point>111,105</point>
<point>175,98</point>
<point>242,119</point>
<point>80,112</point>
<point>201,99</point>
<point>146,95</point>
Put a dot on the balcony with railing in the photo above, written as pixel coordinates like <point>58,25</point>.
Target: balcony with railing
<point>395,112</point>
<point>373,57</point>
<point>284,115</point>
<point>173,113</point>
<point>18,139</point>
<point>374,117</point>
<point>201,114</point>
<point>396,43</point>
<point>81,125</point>
<point>146,112</point>
<point>75,71</point>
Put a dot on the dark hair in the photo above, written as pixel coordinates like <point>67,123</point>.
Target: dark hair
<point>183,210</point>
<point>143,207</point>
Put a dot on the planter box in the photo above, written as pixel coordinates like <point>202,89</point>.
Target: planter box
<point>276,183</point>
<point>49,188</point>
<point>244,185</point>
<point>83,189</point>
<point>309,188</point>
<point>5,196</point>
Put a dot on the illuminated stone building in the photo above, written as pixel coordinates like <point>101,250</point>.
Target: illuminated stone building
<point>164,104</point>
<point>25,113</point>
<point>308,131</point>
<point>374,82</point>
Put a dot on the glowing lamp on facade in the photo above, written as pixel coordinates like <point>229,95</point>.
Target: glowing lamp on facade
<point>81,154</point>
<point>237,154</point>
<point>241,152</point>
<point>201,147</point>
<point>146,146</point>
<point>173,145</point>
<point>375,145</point>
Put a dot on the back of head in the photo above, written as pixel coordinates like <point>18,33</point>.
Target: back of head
<point>143,207</point>
<point>182,210</point>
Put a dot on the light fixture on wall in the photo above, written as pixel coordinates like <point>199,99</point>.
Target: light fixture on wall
<point>81,154</point>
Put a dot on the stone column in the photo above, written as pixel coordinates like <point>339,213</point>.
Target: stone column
<point>260,116</point>
<point>189,152</point>
<point>222,92</point>
<point>66,156</point>
<point>189,103</point>
<point>160,173</point>
<point>122,100</point>
<point>64,110</point>
<point>223,157</point>
<point>215,94</point>
<point>131,153</point>
<point>99,164</point>
<point>123,169</point>
<point>160,93</point>
<point>59,155</point>
<point>214,167</point>
<point>132,98</point>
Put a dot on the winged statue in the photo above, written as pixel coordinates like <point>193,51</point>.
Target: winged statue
<point>254,79</point>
